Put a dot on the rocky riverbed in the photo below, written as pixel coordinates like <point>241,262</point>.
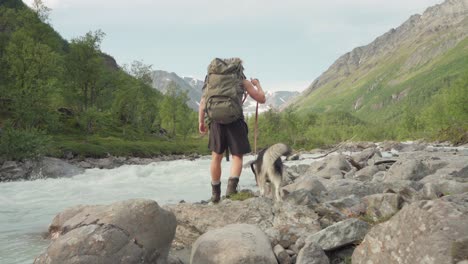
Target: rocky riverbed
<point>366,203</point>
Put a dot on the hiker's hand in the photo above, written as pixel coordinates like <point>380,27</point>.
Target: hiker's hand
<point>255,81</point>
<point>202,128</point>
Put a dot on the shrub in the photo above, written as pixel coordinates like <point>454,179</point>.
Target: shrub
<point>16,144</point>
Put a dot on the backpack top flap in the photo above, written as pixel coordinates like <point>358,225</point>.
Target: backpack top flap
<point>226,66</point>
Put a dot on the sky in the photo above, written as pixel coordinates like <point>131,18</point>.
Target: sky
<point>285,44</point>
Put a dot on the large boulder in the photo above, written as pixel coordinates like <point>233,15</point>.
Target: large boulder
<point>362,157</point>
<point>196,219</point>
<point>367,173</point>
<point>331,166</point>
<point>14,171</point>
<point>337,189</point>
<point>340,234</point>
<point>54,168</point>
<point>407,169</point>
<point>305,191</point>
<point>432,232</point>
<point>382,205</point>
<point>310,184</point>
<point>232,244</point>
<point>132,231</point>
<point>311,253</point>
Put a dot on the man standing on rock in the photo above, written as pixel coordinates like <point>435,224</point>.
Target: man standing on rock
<point>220,112</point>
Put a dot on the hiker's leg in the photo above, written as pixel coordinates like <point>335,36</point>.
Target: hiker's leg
<point>236,167</point>
<point>215,167</point>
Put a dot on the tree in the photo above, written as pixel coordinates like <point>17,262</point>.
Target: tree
<point>41,10</point>
<point>84,66</point>
<point>174,109</point>
<point>32,70</point>
<point>140,71</point>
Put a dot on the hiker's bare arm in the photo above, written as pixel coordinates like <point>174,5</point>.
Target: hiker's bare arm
<point>201,116</point>
<point>256,93</point>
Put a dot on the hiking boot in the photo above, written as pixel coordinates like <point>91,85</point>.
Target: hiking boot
<point>215,192</point>
<point>232,186</point>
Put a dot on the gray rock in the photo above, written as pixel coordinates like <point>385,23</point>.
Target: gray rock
<point>340,234</point>
<point>124,232</point>
<point>430,192</point>
<point>443,187</point>
<point>54,168</point>
<point>174,260</point>
<point>301,197</point>
<point>382,206</point>
<point>13,171</point>
<point>331,165</point>
<point>299,169</point>
<point>362,157</point>
<point>422,232</point>
<point>378,176</point>
<point>350,206</point>
<point>367,173</point>
<point>329,215</point>
<point>311,253</point>
<point>293,157</point>
<point>345,203</point>
<point>344,188</point>
<point>196,219</point>
<point>294,248</point>
<point>411,169</point>
<point>281,255</point>
<point>336,177</point>
<point>232,244</point>
<point>95,244</point>
<point>309,184</point>
<point>350,174</point>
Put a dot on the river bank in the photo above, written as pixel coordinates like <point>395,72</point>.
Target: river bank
<point>70,164</point>
<point>368,190</point>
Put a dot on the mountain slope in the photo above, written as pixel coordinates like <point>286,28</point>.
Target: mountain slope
<point>162,80</point>
<point>406,65</point>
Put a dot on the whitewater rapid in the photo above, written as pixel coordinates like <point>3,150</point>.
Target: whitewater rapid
<point>28,207</point>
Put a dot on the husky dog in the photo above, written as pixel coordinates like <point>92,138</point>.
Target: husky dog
<point>269,167</point>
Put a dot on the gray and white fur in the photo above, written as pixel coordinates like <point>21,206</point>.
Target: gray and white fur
<point>269,167</point>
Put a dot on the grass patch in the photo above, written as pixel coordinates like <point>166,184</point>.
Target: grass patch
<point>241,196</point>
<point>347,260</point>
<point>99,146</point>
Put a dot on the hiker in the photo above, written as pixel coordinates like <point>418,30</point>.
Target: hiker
<point>220,112</point>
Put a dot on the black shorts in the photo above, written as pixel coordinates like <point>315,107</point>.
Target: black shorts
<point>233,135</point>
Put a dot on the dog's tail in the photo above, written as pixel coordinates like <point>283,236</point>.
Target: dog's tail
<point>277,150</point>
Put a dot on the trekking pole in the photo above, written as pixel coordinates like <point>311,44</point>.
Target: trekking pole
<point>256,129</point>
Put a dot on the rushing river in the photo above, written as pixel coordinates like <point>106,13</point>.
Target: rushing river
<point>28,207</point>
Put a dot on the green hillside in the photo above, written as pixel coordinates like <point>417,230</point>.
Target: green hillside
<point>59,97</point>
<point>396,81</point>
<point>376,87</point>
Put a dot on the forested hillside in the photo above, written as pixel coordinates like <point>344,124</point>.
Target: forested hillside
<point>59,96</point>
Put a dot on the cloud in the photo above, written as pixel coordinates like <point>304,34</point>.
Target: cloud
<point>209,11</point>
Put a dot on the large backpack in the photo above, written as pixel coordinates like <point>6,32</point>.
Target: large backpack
<point>223,90</point>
